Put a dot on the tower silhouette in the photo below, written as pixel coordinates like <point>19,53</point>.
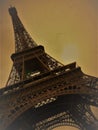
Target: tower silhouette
<point>42,93</point>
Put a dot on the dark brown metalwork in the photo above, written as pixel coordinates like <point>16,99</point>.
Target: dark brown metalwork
<point>42,93</point>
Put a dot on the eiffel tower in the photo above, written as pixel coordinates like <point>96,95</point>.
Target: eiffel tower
<point>42,93</point>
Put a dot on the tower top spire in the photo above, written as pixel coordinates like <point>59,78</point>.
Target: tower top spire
<point>12,10</point>
<point>23,40</point>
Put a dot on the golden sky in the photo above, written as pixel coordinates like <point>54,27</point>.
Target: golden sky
<point>68,29</point>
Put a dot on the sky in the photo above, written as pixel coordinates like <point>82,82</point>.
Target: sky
<point>68,29</point>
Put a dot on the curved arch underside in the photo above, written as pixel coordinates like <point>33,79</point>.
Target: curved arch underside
<point>66,110</point>
<point>65,128</point>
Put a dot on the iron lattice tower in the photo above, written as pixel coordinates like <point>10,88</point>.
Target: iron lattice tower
<point>41,93</point>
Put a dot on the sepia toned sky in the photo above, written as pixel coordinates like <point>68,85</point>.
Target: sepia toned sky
<point>68,29</point>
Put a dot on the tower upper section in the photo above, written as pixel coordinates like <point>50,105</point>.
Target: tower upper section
<point>23,41</point>
<point>30,59</point>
